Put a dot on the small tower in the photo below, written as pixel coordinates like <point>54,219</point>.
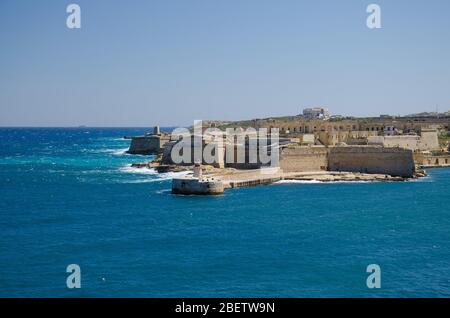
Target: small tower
<point>156,130</point>
<point>197,170</point>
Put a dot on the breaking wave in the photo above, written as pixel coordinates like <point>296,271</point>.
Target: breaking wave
<point>156,177</point>
<point>120,152</point>
<point>130,169</point>
<point>114,151</point>
<point>322,182</point>
<point>298,182</point>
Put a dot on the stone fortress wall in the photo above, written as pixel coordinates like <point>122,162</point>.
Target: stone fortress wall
<point>218,151</point>
<point>368,159</point>
<point>364,159</point>
<point>148,144</point>
<point>298,158</point>
<point>145,145</point>
<point>429,159</point>
<point>336,137</point>
<point>302,159</point>
<point>426,141</point>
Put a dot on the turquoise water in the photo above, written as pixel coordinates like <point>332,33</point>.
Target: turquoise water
<point>69,196</point>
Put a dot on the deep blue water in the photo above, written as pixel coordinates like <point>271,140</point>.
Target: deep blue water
<point>68,196</point>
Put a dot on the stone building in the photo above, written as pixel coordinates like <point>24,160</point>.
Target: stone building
<point>316,113</point>
<point>427,140</point>
<point>432,159</point>
<point>151,143</point>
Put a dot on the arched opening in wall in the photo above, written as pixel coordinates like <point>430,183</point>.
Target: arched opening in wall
<point>446,161</point>
<point>437,161</point>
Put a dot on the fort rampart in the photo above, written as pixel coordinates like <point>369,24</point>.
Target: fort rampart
<point>366,159</point>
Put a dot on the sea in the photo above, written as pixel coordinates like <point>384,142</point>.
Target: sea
<point>70,196</point>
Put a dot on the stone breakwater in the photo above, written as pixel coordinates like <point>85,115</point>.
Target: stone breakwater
<point>216,180</point>
<point>219,182</point>
<point>189,185</point>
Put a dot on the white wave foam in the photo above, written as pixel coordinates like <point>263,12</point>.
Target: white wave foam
<point>152,172</point>
<point>165,191</point>
<point>423,179</point>
<point>151,180</point>
<point>148,180</point>
<point>120,152</point>
<point>320,182</point>
<point>130,169</point>
<point>298,182</point>
<point>114,151</point>
<point>171,175</point>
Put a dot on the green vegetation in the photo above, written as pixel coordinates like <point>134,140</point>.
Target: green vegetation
<point>234,124</point>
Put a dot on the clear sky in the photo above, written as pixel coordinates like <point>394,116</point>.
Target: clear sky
<point>167,62</point>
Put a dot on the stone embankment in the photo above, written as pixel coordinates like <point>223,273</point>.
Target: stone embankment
<point>216,180</point>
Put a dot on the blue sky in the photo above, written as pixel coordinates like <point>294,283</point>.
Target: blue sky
<point>140,63</point>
